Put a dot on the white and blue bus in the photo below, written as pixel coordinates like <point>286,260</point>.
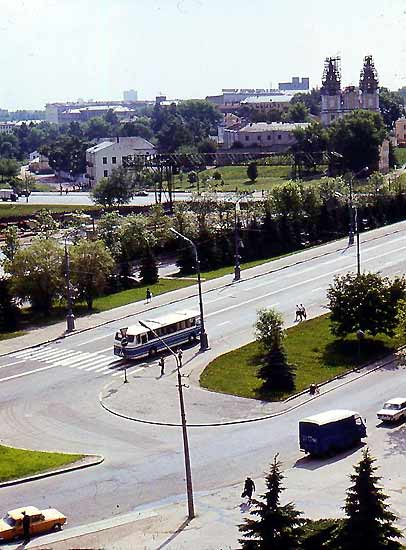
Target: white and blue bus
<point>174,329</point>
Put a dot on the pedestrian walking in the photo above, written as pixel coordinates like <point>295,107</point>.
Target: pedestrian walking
<point>298,314</point>
<point>249,488</point>
<point>26,526</point>
<point>180,356</point>
<point>303,311</point>
<point>148,295</point>
<point>162,365</point>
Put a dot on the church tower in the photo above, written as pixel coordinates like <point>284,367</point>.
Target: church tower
<point>369,86</point>
<point>331,108</point>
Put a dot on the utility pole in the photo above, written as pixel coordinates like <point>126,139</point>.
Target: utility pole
<point>204,342</point>
<point>70,318</point>
<point>358,242</point>
<point>351,231</point>
<point>188,469</point>
<point>237,268</point>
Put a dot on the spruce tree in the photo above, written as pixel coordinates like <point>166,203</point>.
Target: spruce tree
<point>369,523</point>
<point>277,527</point>
<point>277,374</point>
<point>149,267</point>
<point>252,171</point>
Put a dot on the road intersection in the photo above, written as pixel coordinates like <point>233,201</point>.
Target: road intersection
<point>50,400</point>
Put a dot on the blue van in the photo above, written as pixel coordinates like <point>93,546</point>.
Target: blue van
<point>330,432</point>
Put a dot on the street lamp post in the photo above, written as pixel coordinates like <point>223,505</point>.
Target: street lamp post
<point>358,241</point>
<point>188,470</point>
<point>70,318</point>
<point>351,229</point>
<point>237,268</point>
<point>204,341</point>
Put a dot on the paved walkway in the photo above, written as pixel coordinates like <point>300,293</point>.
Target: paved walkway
<point>52,332</point>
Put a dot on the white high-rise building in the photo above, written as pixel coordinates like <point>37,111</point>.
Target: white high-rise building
<point>130,95</point>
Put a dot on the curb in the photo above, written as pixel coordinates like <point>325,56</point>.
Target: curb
<point>104,323</point>
<point>97,459</point>
<point>259,418</point>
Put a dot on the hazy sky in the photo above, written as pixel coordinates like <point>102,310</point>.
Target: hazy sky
<point>57,50</point>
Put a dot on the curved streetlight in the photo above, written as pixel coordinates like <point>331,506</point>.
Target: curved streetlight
<point>188,470</point>
<point>204,341</point>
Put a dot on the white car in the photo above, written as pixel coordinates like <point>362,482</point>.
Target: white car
<point>393,410</point>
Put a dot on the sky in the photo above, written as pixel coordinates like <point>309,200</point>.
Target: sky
<point>59,50</point>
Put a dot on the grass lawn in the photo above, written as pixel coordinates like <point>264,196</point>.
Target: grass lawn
<point>318,355</point>
<point>400,155</point>
<point>236,177</point>
<point>16,463</point>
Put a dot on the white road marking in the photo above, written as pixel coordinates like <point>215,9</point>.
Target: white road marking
<point>318,289</point>
<point>110,348</point>
<point>94,340</point>
<point>225,323</point>
<point>11,364</point>
<point>26,373</point>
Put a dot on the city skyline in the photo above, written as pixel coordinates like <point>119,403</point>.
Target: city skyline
<point>62,51</point>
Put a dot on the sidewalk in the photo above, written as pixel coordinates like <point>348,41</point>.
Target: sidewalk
<point>56,331</point>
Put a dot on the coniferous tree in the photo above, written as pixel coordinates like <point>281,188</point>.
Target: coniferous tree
<point>9,312</point>
<point>149,267</point>
<point>277,374</point>
<point>369,523</point>
<point>277,527</point>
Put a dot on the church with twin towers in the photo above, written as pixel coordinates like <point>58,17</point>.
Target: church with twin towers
<point>337,102</point>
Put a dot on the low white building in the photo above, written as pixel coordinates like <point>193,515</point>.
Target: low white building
<point>101,159</point>
<point>273,136</point>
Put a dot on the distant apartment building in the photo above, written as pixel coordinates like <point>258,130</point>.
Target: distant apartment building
<point>64,113</point>
<point>101,159</point>
<point>297,84</point>
<point>130,95</point>
<point>7,127</point>
<point>276,137</point>
<point>400,132</point>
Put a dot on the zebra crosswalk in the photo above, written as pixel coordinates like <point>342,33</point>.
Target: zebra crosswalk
<point>94,362</point>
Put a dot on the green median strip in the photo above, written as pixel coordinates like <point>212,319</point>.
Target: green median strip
<point>18,463</point>
<point>319,356</point>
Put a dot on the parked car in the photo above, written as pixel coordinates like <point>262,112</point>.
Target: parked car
<point>42,521</point>
<point>141,193</point>
<point>330,432</point>
<point>393,410</point>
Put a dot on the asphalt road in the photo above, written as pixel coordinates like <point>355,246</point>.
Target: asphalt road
<point>49,400</point>
<point>82,198</point>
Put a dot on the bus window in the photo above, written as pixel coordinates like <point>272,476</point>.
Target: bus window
<point>144,338</point>
<point>192,322</point>
<point>118,336</point>
<point>130,338</point>
<point>151,336</point>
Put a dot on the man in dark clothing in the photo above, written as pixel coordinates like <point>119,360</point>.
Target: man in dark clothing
<point>148,295</point>
<point>26,526</point>
<point>162,365</point>
<point>249,488</point>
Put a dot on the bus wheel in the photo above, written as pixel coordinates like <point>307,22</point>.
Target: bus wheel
<point>152,352</point>
<point>192,338</point>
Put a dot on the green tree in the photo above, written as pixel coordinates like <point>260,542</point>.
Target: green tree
<point>91,265</point>
<point>297,112</point>
<point>391,106</point>
<point>45,224</point>
<point>9,168</point>
<point>9,312</point>
<point>109,230</point>
<point>368,302</point>
<point>357,137</point>
<point>369,522</point>
<point>36,274</point>
<point>277,374</point>
<point>401,319</point>
<point>140,129</point>
<point>116,189</point>
<point>311,99</point>
<point>252,171</point>
<point>67,153</point>
<point>277,527</point>
<point>11,243</point>
<point>98,127</point>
